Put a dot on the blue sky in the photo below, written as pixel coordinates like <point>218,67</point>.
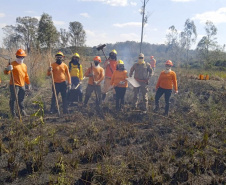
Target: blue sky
<point>111,21</point>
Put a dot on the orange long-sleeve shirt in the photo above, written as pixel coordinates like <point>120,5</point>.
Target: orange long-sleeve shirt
<point>60,73</point>
<point>98,73</point>
<point>19,74</point>
<point>167,80</point>
<point>119,76</point>
<point>110,68</point>
<point>153,63</point>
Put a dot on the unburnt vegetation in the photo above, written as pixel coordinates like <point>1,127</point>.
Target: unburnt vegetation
<point>102,146</point>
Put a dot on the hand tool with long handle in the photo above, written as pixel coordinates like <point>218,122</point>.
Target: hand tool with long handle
<point>54,91</point>
<point>95,90</point>
<point>102,49</point>
<point>14,88</point>
<point>15,93</point>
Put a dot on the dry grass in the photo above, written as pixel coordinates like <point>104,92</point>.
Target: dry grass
<point>86,147</point>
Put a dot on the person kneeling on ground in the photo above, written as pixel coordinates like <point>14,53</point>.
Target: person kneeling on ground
<point>119,82</point>
<point>167,80</point>
<point>60,74</point>
<point>96,75</point>
<point>20,76</point>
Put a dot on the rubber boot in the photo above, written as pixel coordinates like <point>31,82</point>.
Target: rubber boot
<point>103,96</point>
<point>156,108</point>
<point>86,100</point>
<point>12,108</point>
<point>117,104</point>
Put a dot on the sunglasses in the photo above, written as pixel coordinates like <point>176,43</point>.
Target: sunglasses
<point>19,57</point>
<point>141,57</point>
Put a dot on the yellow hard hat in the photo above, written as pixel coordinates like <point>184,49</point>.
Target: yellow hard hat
<point>114,51</point>
<point>120,62</point>
<point>59,53</point>
<point>77,55</point>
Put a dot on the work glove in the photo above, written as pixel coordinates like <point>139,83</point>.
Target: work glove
<point>29,87</point>
<point>95,82</point>
<point>50,69</point>
<point>69,86</point>
<point>122,82</point>
<point>176,92</point>
<point>9,68</point>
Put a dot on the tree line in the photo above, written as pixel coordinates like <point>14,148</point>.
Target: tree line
<point>32,33</point>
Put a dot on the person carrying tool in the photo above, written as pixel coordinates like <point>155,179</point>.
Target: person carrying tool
<point>96,76</point>
<point>60,74</point>
<point>75,69</point>
<point>119,82</point>
<point>143,72</point>
<point>20,75</point>
<point>153,63</point>
<point>167,80</point>
<point>110,67</point>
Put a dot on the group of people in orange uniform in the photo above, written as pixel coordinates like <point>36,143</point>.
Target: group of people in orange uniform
<point>68,80</point>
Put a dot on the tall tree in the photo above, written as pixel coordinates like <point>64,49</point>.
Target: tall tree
<point>144,21</point>
<point>27,28</point>
<point>172,42</point>
<point>64,38</point>
<point>11,40</point>
<point>188,37</point>
<point>77,34</point>
<point>47,32</point>
<point>208,42</point>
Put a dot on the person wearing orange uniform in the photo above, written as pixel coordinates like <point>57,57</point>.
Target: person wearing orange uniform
<point>153,63</point>
<point>96,76</point>
<point>119,82</point>
<point>19,70</point>
<point>110,67</point>
<point>166,82</point>
<point>60,75</point>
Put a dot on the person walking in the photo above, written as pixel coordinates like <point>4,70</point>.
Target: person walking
<point>110,67</point>
<point>75,69</point>
<point>142,72</point>
<point>119,82</point>
<point>166,82</point>
<point>96,76</point>
<point>60,74</point>
<point>20,75</point>
<point>153,63</point>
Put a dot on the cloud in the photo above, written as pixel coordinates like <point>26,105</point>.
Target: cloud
<point>59,22</point>
<point>30,11</point>
<point>37,17</point>
<point>90,33</point>
<point>216,17</point>
<point>86,15</point>
<point>183,1</point>
<point>2,15</point>
<point>132,24</point>
<point>133,3</point>
<point>113,2</point>
<point>2,25</point>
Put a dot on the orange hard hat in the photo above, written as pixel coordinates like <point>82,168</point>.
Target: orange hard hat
<point>169,62</point>
<point>97,58</point>
<point>21,53</point>
<point>152,56</point>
